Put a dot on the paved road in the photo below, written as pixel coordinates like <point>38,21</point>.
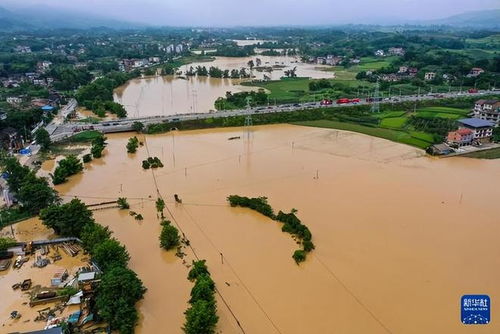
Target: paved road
<point>67,129</point>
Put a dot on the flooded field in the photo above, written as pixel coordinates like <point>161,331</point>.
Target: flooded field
<point>169,95</point>
<point>16,300</point>
<point>399,236</point>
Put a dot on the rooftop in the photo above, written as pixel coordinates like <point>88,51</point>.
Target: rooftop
<point>475,122</point>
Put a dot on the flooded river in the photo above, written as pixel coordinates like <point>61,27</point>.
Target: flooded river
<point>399,236</point>
<point>169,95</point>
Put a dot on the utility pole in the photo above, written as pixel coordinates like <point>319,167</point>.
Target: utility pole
<point>376,99</point>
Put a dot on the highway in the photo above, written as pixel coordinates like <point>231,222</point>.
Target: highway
<point>65,130</point>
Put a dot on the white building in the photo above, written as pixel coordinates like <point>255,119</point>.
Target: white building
<point>488,110</point>
<point>430,76</point>
<point>14,100</point>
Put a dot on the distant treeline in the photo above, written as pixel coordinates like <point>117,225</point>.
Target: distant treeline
<point>291,223</point>
<point>216,72</point>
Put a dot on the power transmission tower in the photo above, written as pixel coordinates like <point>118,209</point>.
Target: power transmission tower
<point>376,99</point>
<point>248,124</point>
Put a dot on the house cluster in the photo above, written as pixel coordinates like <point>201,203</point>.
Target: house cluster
<point>475,72</point>
<point>404,72</point>
<point>35,78</point>
<point>394,51</point>
<point>22,49</point>
<point>479,129</point>
<point>173,48</point>
<point>127,65</point>
<point>328,60</point>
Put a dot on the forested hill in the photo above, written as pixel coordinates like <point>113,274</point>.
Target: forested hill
<point>42,17</point>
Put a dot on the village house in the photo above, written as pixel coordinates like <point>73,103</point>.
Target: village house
<point>461,137</point>
<point>332,60</point>
<point>320,60</point>
<point>390,77</point>
<point>10,139</point>
<point>429,76</point>
<point>379,53</point>
<point>412,71</point>
<point>179,48</point>
<point>482,130</point>
<point>397,51</point>
<point>14,100</point>
<point>43,66</point>
<point>403,69</point>
<point>22,49</point>
<point>475,71</point>
<point>154,60</point>
<point>488,110</point>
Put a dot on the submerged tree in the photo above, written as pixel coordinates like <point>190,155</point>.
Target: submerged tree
<point>169,237</point>
<point>122,203</point>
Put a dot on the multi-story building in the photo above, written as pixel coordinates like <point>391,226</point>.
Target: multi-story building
<point>397,51</point>
<point>488,110</point>
<point>482,130</point>
<point>430,76</point>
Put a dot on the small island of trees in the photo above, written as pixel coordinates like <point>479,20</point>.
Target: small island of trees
<point>201,316</point>
<point>291,223</point>
<point>152,162</point>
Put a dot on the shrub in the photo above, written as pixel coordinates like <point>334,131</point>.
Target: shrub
<point>299,256</point>
<point>169,237</point>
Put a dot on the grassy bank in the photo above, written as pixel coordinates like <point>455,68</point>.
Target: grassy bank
<point>494,153</point>
<point>414,139</point>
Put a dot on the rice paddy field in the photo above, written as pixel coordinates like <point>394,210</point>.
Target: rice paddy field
<point>393,125</point>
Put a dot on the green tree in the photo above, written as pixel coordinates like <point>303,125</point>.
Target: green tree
<point>35,194</point>
<point>132,145</point>
<point>122,203</point>
<point>15,171</point>
<point>299,256</point>
<point>169,237</point>
<point>118,291</point>
<point>160,204</point>
<point>68,219</point>
<point>197,269</point>
<point>496,134</point>
<point>109,254</point>
<point>138,127</point>
<point>42,137</point>
<point>203,289</point>
<point>201,317</point>
<point>6,243</point>
<point>93,235</point>
<point>69,166</point>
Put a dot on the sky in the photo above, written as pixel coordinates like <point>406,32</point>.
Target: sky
<point>265,12</point>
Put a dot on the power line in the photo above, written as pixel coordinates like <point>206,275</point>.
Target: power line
<point>234,271</point>
<point>352,294</point>
<point>189,244</point>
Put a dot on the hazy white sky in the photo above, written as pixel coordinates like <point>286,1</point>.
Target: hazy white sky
<point>265,12</point>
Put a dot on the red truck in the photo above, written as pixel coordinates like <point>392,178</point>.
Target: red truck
<point>472,90</point>
<point>343,101</point>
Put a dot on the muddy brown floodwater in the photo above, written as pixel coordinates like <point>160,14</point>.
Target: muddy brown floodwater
<point>399,236</point>
<point>171,95</point>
